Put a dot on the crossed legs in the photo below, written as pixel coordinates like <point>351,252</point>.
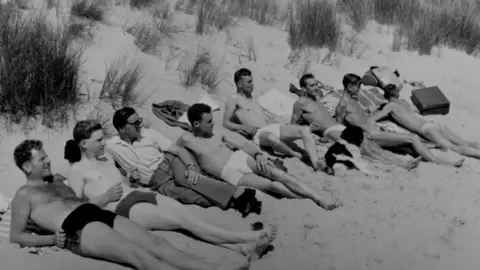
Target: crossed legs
<point>128,243</point>
<point>169,214</point>
<point>449,140</point>
<point>392,139</point>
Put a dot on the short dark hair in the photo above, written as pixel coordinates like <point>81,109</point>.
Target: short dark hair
<point>304,78</point>
<point>387,90</point>
<point>241,73</point>
<point>82,130</point>
<point>23,152</point>
<point>196,112</point>
<point>351,79</point>
<point>120,117</point>
<point>353,135</point>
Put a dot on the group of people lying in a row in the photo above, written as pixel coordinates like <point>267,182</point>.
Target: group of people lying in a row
<point>101,213</point>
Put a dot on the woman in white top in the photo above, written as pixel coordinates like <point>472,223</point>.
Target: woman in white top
<point>95,178</point>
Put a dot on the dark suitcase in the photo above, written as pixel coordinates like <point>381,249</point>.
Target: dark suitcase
<point>430,100</point>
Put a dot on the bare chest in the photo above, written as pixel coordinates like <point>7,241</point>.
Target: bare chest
<point>53,192</point>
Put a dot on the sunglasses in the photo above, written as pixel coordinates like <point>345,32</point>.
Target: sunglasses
<point>137,123</point>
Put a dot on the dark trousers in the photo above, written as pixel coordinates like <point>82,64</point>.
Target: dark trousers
<point>169,180</point>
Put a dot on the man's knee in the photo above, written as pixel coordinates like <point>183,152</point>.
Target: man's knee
<point>414,139</point>
<point>304,130</point>
<point>272,138</point>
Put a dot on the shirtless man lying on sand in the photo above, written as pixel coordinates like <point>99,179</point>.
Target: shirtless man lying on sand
<point>84,228</point>
<point>246,166</point>
<point>402,114</point>
<point>310,110</point>
<point>265,132</point>
<point>349,111</point>
<point>97,180</point>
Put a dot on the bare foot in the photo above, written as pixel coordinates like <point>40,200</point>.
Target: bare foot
<point>412,164</point>
<point>329,206</point>
<point>255,250</point>
<point>459,163</point>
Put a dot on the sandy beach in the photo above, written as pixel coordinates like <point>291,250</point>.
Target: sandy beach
<point>423,219</point>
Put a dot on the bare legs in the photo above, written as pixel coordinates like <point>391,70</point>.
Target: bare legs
<point>159,247</point>
<point>102,242</point>
<point>171,215</point>
<point>289,133</point>
<point>284,183</point>
<point>449,140</point>
<point>392,139</point>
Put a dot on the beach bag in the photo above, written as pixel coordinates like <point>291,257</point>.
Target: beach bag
<point>430,100</point>
<point>381,77</point>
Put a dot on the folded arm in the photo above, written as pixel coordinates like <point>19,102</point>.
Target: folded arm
<point>183,155</point>
<point>230,107</point>
<point>21,209</point>
<point>243,145</point>
<point>379,114</point>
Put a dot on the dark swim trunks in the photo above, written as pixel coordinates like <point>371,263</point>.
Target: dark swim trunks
<point>124,206</point>
<point>79,218</point>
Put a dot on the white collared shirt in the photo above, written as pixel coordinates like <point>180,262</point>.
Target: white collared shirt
<point>145,154</point>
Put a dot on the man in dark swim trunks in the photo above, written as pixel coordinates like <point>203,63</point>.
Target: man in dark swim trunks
<point>84,228</point>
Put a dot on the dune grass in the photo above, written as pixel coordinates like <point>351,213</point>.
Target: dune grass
<point>422,24</point>
<point>200,70</point>
<point>88,9</point>
<point>38,69</point>
<point>119,87</point>
<point>154,32</point>
<point>313,23</point>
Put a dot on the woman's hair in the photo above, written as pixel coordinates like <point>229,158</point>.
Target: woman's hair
<point>82,130</point>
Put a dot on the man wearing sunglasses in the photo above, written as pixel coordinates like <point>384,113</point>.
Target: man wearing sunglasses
<point>154,161</point>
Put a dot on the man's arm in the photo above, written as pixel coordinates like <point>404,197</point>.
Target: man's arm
<point>77,183</point>
<point>20,213</point>
<point>243,145</point>
<point>340,112</point>
<point>182,154</point>
<point>296,114</point>
<point>230,107</point>
<point>379,114</point>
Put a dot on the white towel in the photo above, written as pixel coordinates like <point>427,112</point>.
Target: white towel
<point>277,103</point>
<point>5,217</point>
<point>205,99</point>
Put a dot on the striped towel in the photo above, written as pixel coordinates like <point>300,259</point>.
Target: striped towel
<point>5,219</point>
<point>5,226</point>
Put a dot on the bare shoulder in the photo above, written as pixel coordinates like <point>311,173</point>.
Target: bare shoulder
<point>185,139</point>
<point>23,194</point>
<point>232,100</point>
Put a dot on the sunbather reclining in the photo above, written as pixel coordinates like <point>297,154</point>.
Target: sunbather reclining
<point>246,166</point>
<point>84,228</point>
<point>97,180</point>
<point>349,111</point>
<point>266,132</point>
<point>402,114</point>
<point>171,170</point>
<point>309,109</point>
